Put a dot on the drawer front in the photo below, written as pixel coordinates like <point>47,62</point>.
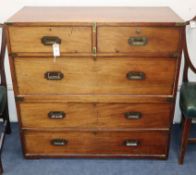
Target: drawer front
<point>105,76</point>
<point>39,39</point>
<point>100,115</point>
<point>95,143</point>
<point>57,115</point>
<point>137,76</point>
<point>138,39</point>
<point>65,76</point>
<point>134,115</point>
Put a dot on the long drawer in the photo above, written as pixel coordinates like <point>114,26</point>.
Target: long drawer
<point>40,39</point>
<point>138,39</point>
<point>96,143</point>
<point>90,116</point>
<point>138,76</point>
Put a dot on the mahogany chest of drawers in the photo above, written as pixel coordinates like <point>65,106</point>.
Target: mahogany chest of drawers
<point>110,93</point>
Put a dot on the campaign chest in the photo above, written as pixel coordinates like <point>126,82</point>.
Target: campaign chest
<point>112,90</point>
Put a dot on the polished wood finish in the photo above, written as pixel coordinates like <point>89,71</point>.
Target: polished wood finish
<point>110,90</point>
<point>188,63</point>
<point>3,82</point>
<point>184,139</point>
<point>91,143</point>
<point>73,39</point>
<point>115,39</point>
<point>94,76</point>
<point>4,114</point>
<point>56,15</point>
<point>2,56</point>
<point>186,120</point>
<point>153,116</point>
<point>76,115</point>
<point>100,116</point>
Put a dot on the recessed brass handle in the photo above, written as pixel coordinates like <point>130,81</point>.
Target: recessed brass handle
<point>137,41</point>
<point>50,40</point>
<point>133,115</point>
<point>53,75</point>
<point>135,75</point>
<point>131,143</point>
<point>56,115</point>
<point>59,142</point>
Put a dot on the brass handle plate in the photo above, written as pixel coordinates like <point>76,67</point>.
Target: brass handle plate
<point>59,142</point>
<point>56,115</point>
<point>131,143</point>
<point>132,115</point>
<point>137,41</point>
<point>135,75</point>
<point>53,75</point>
<point>50,40</point>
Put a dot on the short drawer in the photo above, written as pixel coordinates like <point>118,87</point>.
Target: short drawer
<point>138,76</point>
<point>134,116</point>
<point>125,144</point>
<point>40,39</point>
<point>138,40</point>
<point>57,115</point>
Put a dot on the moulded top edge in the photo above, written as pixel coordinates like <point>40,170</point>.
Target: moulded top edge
<point>132,15</point>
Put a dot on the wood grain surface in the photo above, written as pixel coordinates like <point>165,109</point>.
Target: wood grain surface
<point>159,39</point>
<point>104,76</point>
<point>95,116</point>
<point>93,14</point>
<point>97,143</point>
<point>28,39</point>
<point>118,75</point>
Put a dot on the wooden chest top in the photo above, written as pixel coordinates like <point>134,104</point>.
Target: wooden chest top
<point>134,15</point>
